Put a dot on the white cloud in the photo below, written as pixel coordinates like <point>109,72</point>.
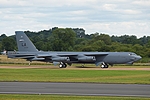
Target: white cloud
<point>109,7</point>
<point>129,11</point>
<point>12,3</point>
<point>110,16</point>
<point>138,29</point>
<point>142,2</point>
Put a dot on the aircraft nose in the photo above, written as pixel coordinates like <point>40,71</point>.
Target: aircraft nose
<point>137,58</point>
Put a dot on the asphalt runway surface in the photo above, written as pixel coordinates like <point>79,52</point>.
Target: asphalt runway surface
<point>87,89</point>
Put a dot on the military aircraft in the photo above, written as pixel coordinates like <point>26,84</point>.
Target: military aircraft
<point>27,50</point>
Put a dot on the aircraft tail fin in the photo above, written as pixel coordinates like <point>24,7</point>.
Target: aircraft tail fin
<point>24,43</point>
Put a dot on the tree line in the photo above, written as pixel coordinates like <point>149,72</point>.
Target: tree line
<point>75,39</point>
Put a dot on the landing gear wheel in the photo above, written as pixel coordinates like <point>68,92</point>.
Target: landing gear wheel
<point>82,65</point>
<point>104,65</point>
<point>62,65</point>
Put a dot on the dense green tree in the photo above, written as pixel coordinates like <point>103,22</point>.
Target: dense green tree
<point>144,40</point>
<point>8,44</point>
<point>80,40</point>
<point>79,44</point>
<point>139,49</point>
<point>98,45</point>
<point>147,53</point>
<point>80,32</point>
<point>88,48</point>
<point>118,47</point>
<point>1,46</point>
<point>125,39</point>
<point>63,39</point>
<point>40,45</point>
<point>148,44</point>
<point>103,37</point>
<point>2,37</point>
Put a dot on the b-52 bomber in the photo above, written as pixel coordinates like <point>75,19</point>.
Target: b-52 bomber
<point>27,50</point>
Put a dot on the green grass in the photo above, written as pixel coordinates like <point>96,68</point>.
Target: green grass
<point>75,75</point>
<point>63,97</point>
<point>68,75</point>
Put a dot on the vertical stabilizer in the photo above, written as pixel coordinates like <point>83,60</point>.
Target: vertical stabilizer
<point>24,43</point>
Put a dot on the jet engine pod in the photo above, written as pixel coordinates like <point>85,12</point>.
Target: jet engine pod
<point>35,59</point>
<point>87,58</point>
<point>61,59</point>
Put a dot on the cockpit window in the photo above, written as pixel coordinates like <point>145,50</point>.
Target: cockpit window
<point>132,54</point>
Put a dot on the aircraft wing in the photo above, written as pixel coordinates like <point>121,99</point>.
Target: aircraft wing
<point>76,57</point>
<point>68,57</point>
<point>41,55</point>
<point>23,56</point>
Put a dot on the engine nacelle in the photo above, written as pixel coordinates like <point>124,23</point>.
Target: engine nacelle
<point>87,58</point>
<point>61,59</point>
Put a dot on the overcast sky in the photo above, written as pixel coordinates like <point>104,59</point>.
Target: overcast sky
<point>112,17</point>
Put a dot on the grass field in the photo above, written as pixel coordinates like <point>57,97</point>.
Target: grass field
<point>61,97</point>
<point>75,75</point>
<point>68,75</point>
<point>71,75</point>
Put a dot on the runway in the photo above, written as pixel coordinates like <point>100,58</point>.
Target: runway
<point>92,89</point>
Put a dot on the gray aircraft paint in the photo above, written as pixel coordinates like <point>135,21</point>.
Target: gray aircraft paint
<point>24,43</point>
<point>27,50</point>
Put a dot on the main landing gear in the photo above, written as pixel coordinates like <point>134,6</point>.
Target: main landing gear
<point>62,65</point>
<point>104,65</point>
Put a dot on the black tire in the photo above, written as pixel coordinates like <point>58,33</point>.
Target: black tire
<point>62,65</point>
